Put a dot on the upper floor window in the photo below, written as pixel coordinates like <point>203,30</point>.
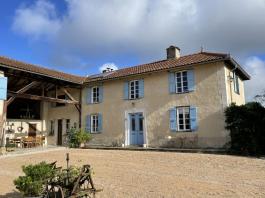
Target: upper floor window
<point>181,82</point>
<point>236,83</point>
<point>134,89</point>
<point>95,94</point>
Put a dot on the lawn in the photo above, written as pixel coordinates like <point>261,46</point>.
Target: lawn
<point>152,174</point>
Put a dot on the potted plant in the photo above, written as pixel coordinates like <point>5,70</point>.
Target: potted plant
<point>33,182</point>
<point>78,137</point>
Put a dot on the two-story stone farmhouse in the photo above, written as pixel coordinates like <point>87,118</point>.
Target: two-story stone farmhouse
<point>176,102</point>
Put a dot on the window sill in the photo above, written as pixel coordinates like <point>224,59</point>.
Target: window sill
<point>135,98</point>
<point>185,92</point>
<point>95,132</point>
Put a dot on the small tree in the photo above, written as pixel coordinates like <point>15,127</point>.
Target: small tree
<point>260,98</point>
<point>35,178</point>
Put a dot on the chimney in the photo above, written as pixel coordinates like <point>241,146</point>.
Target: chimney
<point>173,52</point>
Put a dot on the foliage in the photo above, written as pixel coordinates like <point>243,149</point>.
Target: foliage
<point>246,124</point>
<point>32,184</point>
<point>71,175</point>
<point>261,98</point>
<point>78,136</point>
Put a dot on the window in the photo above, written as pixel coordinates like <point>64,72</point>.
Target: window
<point>183,119</point>
<point>181,82</point>
<point>95,95</point>
<point>94,124</point>
<point>51,127</point>
<point>236,83</point>
<point>134,89</point>
<point>67,124</point>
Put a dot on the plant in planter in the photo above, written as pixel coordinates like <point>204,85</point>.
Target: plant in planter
<point>36,176</point>
<point>77,137</point>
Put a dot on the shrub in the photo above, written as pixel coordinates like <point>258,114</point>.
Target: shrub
<point>78,136</point>
<point>246,124</point>
<point>36,176</point>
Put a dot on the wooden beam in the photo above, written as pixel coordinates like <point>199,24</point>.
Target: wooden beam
<point>69,95</point>
<point>22,90</point>
<point>41,98</point>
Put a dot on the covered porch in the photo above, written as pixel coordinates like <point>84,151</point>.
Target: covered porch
<point>29,105</point>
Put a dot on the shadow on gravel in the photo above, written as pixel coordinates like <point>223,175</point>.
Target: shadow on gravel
<point>13,194</point>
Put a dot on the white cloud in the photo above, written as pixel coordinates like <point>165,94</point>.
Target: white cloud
<point>108,65</point>
<point>101,30</point>
<point>256,68</point>
<point>37,20</point>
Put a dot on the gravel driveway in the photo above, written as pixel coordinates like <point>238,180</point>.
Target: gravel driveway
<point>152,174</point>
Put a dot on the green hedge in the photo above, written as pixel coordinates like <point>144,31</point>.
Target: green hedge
<point>246,124</point>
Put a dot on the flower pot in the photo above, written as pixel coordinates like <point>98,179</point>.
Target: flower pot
<point>82,145</point>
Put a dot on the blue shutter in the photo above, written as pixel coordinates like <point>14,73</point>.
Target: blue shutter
<point>141,88</point>
<point>99,122</point>
<point>193,118</point>
<point>3,88</point>
<point>126,90</point>
<point>173,119</point>
<point>172,82</point>
<point>191,82</point>
<point>88,123</point>
<point>88,96</point>
<point>100,89</point>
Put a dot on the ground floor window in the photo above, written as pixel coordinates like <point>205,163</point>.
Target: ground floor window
<point>94,123</point>
<point>51,127</point>
<point>183,118</point>
<point>67,125</point>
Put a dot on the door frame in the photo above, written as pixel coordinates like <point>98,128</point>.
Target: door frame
<point>128,124</point>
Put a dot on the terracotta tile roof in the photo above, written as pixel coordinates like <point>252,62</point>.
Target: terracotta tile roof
<point>10,63</point>
<point>201,57</point>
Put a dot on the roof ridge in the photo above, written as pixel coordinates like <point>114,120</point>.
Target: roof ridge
<point>149,63</point>
<point>215,53</point>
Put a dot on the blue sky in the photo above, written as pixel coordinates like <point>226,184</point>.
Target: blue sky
<point>81,36</point>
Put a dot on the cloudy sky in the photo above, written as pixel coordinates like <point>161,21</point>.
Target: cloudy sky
<point>84,36</point>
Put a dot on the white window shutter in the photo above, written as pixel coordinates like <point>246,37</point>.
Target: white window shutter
<point>191,81</point>
<point>173,119</point>
<point>193,118</point>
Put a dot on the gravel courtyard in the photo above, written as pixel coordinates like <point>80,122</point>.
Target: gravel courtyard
<point>152,174</point>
